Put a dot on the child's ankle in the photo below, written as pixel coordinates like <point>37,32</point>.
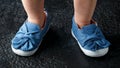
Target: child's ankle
<point>82,23</point>
<point>39,21</point>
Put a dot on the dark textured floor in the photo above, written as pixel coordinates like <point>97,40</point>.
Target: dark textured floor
<point>60,50</point>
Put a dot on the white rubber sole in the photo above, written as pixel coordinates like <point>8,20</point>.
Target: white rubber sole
<point>97,53</point>
<point>23,53</point>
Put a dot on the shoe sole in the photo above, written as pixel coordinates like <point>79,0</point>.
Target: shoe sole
<point>97,53</point>
<point>23,53</point>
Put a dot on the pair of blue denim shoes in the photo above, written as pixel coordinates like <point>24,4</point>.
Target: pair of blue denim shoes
<point>90,39</point>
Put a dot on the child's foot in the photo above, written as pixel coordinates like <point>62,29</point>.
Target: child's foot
<point>27,40</point>
<point>90,39</point>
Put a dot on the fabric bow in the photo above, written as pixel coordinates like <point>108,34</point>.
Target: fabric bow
<point>27,38</point>
<point>92,38</point>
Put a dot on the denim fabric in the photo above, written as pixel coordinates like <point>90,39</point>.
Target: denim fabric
<point>90,37</point>
<point>29,36</point>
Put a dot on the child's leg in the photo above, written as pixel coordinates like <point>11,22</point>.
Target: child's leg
<point>35,11</point>
<point>83,11</point>
<point>90,38</point>
<point>29,37</point>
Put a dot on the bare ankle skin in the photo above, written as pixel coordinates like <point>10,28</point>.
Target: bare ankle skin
<point>35,11</point>
<point>83,11</point>
<point>39,21</point>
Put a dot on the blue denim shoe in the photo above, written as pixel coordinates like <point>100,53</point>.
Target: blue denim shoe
<point>90,39</point>
<point>28,39</point>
